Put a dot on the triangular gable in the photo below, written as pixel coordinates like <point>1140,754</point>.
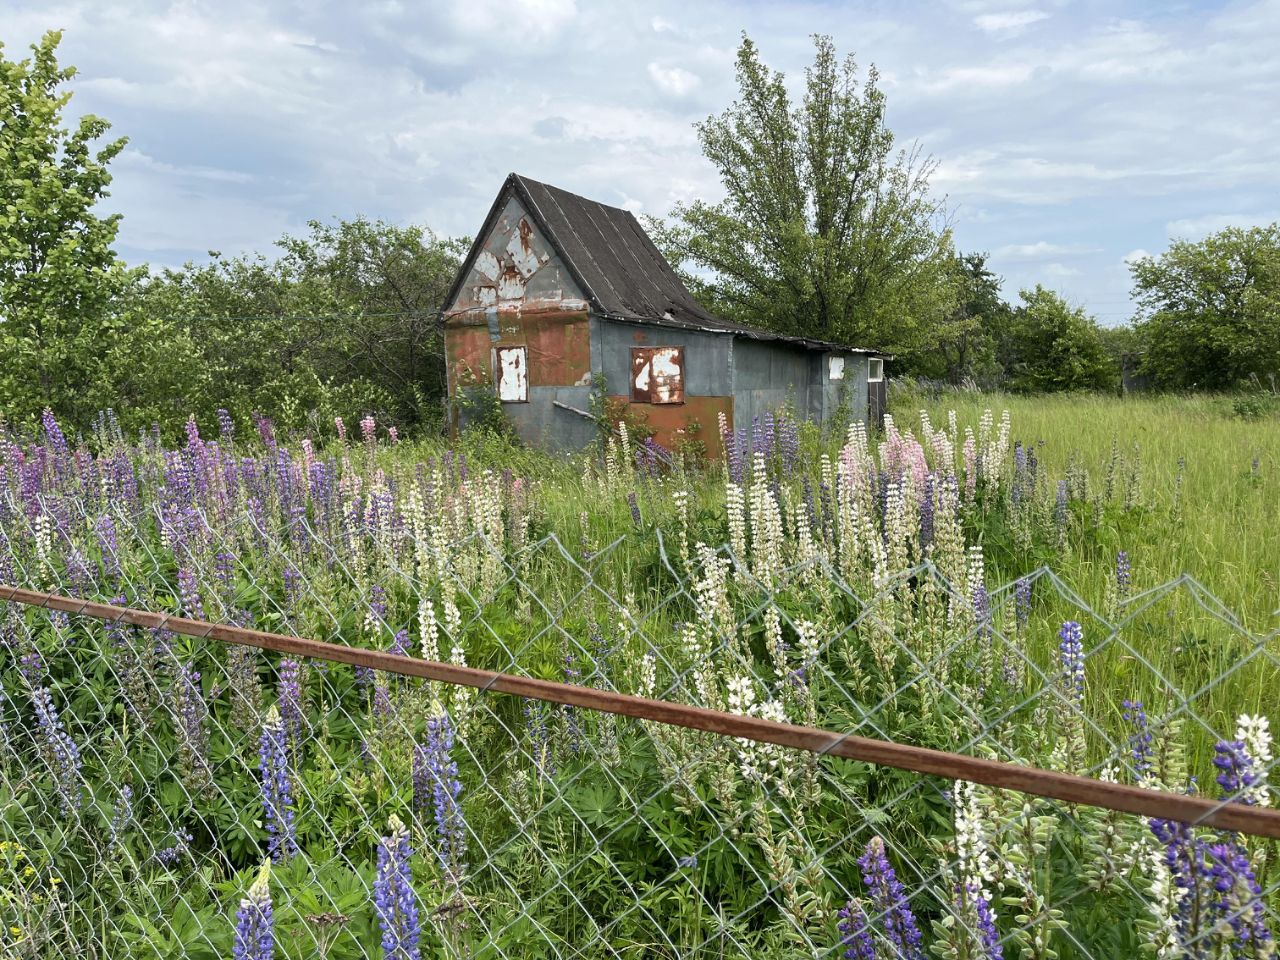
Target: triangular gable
<point>515,263</point>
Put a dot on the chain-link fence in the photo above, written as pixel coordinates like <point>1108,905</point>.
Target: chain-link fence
<point>171,792</point>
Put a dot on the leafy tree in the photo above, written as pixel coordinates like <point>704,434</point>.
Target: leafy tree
<point>1209,312</point>
<point>825,231</point>
<point>962,346</point>
<point>1050,346</point>
<point>58,274</point>
<point>344,321</point>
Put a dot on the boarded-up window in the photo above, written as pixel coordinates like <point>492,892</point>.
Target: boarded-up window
<point>657,374</point>
<point>835,368</point>
<point>513,374</point>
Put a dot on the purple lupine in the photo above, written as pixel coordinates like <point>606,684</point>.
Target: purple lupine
<point>984,920</point>
<point>226,426</point>
<point>61,752</point>
<point>535,713</point>
<point>1237,899</point>
<point>854,935</point>
<point>441,772</point>
<point>1071,653</point>
<point>277,788</point>
<point>1236,770</point>
<point>255,929</point>
<point>104,531</point>
<point>292,589</point>
<point>1139,737</point>
<point>572,724</point>
<point>122,815</point>
<point>1123,574</point>
<point>1060,507</point>
<point>394,899</point>
<point>635,508</point>
<point>926,512</point>
<point>788,444</point>
<point>189,594</point>
<point>1184,859</point>
<point>190,712</point>
<point>291,707</point>
<point>1022,601</point>
<point>180,847</point>
<point>889,901</point>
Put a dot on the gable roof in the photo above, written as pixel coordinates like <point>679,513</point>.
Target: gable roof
<point>616,263</point>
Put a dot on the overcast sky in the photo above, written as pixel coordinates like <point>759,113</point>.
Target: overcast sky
<point>1069,136</point>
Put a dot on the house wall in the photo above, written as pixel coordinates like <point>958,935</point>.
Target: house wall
<point>853,386</point>
<point>708,379</point>
<point>519,293</point>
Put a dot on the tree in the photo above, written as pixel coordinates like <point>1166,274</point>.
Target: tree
<point>345,321</point>
<point>1051,346</point>
<point>962,346</point>
<point>824,230</point>
<point>59,276</point>
<point>1209,312</point>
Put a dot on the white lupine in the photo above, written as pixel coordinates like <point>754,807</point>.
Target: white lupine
<point>974,834</point>
<point>429,630</point>
<point>1254,732</point>
<point>735,509</point>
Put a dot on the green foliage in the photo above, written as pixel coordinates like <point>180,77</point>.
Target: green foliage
<point>58,273</point>
<point>825,231</point>
<point>1209,312</point>
<point>962,346</point>
<point>344,321</point>
<point>1050,346</point>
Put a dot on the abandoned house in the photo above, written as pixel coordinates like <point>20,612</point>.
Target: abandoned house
<point>561,296</point>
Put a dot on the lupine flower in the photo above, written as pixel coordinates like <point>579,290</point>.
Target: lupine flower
<point>1123,574</point>
<point>291,709</point>
<point>440,773</point>
<point>190,712</point>
<point>854,935</point>
<point>635,508</point>
<point>122,815</point>
<point>1237,776</point>
<point>226,426</point>
<point>61,752</point>
<point>984,920</point>
<point>1071,651</point>
<point>277,788</point>
<point>1254,734</point>
<point>368,428</point>
<point>1022,601</point>
<point>180,847</point>
<point>889,902</point>
<point>255,929</point>
<point>1139,739</point>
<point>395,902</point>
<point>1237,900</point>
<point>189,592</point>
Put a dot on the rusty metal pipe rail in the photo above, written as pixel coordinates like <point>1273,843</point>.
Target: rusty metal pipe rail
<point>1051,784</point>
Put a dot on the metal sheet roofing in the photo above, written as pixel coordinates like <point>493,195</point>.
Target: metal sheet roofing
<point>618,265</point>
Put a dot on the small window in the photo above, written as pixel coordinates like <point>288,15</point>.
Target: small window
<point>835,368</point>
<point>875,370</point>
<point>513,374</point>
<point>657,374</point>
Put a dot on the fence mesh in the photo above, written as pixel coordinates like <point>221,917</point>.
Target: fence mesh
<point>170,796</point>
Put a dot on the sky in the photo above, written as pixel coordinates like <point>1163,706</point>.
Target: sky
<point>1069,138</point>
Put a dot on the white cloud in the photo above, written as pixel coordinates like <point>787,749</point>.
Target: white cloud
<point>1194,228</point>
<point>676,81</point>
<point>1010,22</point>
<point>1133,256</point>
<point>1040,249</point>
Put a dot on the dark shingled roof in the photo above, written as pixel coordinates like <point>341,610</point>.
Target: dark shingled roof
<point>617,264</point>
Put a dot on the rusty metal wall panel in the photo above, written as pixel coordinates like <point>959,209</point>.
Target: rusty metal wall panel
<point>558,343</point>
<point>697,419</point>
<point>516,271</point>
<point>657,374</point>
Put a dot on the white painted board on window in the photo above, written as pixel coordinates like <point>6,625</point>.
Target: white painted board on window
<point>513,374</point>
<point>835,368</point>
